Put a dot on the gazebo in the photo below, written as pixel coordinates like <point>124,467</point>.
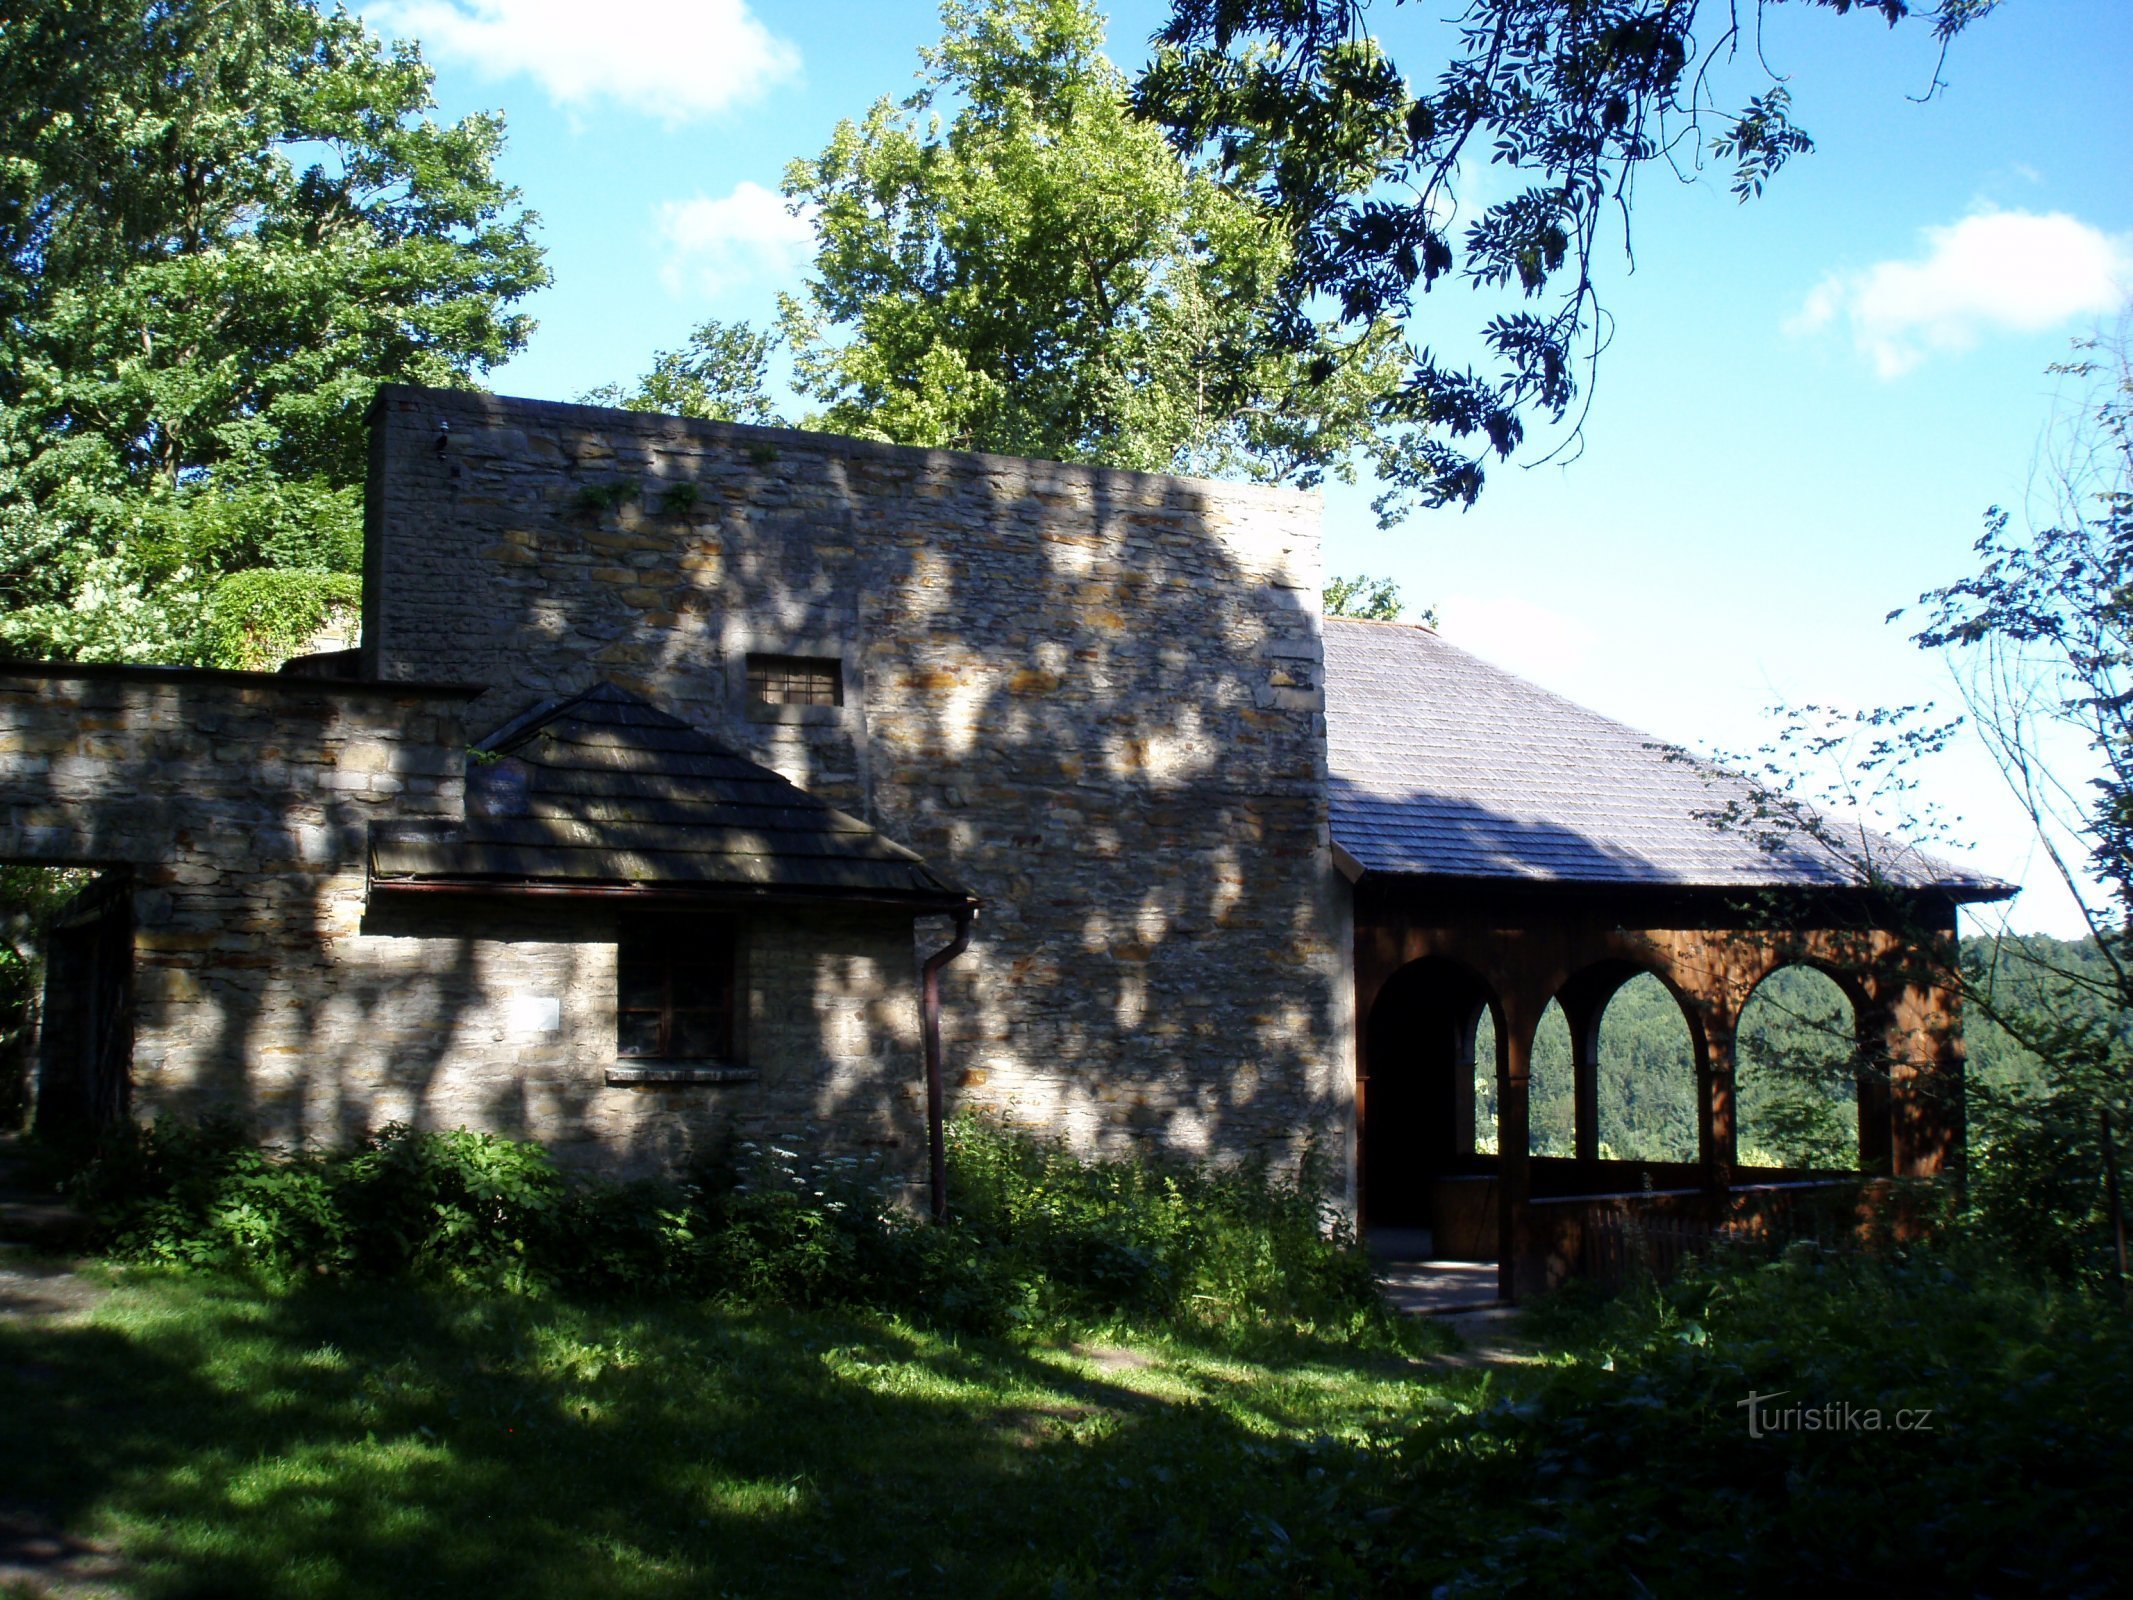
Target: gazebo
<point>1508,848</point>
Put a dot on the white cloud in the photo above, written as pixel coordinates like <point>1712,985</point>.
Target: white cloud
<point>736,241</point>
<point>1998,271</point>
<point>673,59</point>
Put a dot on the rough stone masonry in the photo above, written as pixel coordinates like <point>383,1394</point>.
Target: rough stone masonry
<point>1091,696</point>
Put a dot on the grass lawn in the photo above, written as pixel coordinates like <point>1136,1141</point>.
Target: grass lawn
<point>380,1439</point>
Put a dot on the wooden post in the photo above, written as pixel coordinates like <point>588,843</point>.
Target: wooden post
<point>1718,1129</point>
<point>1514,1170</point>
<point>1585,1080</point>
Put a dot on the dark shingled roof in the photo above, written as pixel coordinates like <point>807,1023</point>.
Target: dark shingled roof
<point>604,791</point>
<point>1444,766</point>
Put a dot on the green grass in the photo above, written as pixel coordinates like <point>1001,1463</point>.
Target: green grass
<point>382,1439</point>
<point>359,1437</point>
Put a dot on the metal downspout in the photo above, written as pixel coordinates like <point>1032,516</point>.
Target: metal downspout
<point>930,1029</point>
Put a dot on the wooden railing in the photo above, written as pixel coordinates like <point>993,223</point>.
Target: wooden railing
<point>1612,1238</point>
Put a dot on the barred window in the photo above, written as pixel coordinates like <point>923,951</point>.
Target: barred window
<point>796,680</point>
<point>675,990</point>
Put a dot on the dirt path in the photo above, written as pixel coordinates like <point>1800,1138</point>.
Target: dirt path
<point>40,1289</point>
<point>1492,1339</point>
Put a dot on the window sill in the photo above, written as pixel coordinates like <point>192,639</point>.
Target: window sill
<point>679,1072</point>
<point>799,715</point>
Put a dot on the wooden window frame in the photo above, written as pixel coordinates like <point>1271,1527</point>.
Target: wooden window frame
<point>653,943</point>
<point>793,680</point>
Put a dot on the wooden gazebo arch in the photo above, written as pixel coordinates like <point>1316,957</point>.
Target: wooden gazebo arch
<point>1503,831</point>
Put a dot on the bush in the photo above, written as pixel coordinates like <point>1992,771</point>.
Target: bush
<point>1632,1468</point>
<point>257,619</point>
<point>1037,1234</point>
<point>455,1204</point>
<point>202,1195</point>
<point>1148,1240</point>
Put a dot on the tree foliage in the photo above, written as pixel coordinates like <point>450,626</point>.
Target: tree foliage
<point>221,227</point>
<point>721,375</point>
<point>2040,637</point>
<point>1372,599</point>
<point>1798,1087</point>
<point>28,897</point>
<point>1010,260</point>
<point>1363,167</point>
<point>2039,642</point>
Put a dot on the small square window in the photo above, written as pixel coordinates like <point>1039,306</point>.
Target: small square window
<point>796,680</point>
<point>674,990</point>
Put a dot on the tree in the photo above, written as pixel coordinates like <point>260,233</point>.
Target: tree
<point>2039,643</point>
<point>721,375</point>
<point>1297,100</point>
<point>1009,260</point>
<point>222,226</point>
<point>2040,638</point>
<point>28,897</point>
<point>1372,599</point>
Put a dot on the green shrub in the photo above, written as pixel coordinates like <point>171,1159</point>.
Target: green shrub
<point>256,620</point>
<point>203,1195</point>
<point>1631,1469</point>
<point>457,1204</point>
<point>1146,1240</point>
<point>1036,1233</point>
<point>804,1233</point>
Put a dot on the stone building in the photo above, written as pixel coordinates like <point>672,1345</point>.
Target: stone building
<point>672,750</point>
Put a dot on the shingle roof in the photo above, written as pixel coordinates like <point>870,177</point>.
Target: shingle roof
<point>605,790</point>
<point>1445,766</point>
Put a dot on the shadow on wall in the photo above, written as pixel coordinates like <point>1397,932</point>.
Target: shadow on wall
<point>1090,696</point>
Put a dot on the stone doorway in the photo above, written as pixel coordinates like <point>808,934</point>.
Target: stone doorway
<point>85,1040</point>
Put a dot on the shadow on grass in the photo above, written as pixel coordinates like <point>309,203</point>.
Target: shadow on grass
<point>378,1440</point>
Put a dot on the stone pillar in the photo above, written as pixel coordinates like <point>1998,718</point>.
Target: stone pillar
<point>1584,1000</point>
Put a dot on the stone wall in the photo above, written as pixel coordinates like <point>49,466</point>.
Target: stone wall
<point>266,986</point>
<point>1091,696</point>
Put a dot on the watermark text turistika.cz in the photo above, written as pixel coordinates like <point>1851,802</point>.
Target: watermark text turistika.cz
<point>1833,1416</point>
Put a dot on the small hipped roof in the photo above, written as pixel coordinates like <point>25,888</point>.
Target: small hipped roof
<point>1444,766</point>
<point>606,793</point>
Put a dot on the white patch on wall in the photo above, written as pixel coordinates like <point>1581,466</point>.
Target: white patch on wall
<point>844,1032</point>
<point>535,1013</point>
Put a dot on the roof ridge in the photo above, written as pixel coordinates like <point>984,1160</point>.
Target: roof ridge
<point>521,728</point>
<point>755,828</point>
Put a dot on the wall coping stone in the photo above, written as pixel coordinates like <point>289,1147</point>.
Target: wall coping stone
<point>656,424</point>
<point>294,686</point>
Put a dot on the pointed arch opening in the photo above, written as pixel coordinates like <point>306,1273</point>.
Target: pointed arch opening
<point>1551,1101</point>
<point>1646,1076</point>
<point>1801,1100</point>
<point>1485,1070</point>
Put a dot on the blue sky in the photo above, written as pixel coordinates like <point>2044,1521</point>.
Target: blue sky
<point>1808,404</point>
